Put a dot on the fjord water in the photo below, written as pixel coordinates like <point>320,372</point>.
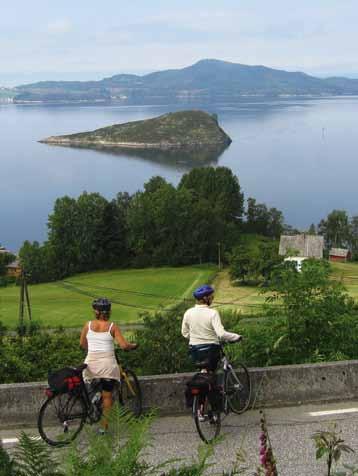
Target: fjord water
<point>299,155</point>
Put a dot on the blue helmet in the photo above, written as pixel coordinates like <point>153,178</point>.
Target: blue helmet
<point>203,291</point>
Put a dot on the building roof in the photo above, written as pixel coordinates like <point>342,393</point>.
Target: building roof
<point>308,246</point>
<point>14,265</point>
<point>341,252</point>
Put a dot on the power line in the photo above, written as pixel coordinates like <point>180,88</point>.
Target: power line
<point>121,303</point>
<point>161,296</point>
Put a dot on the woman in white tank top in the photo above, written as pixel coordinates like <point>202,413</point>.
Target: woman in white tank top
<point>97,337</point>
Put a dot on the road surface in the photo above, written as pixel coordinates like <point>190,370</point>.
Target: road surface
<point>290,430</point>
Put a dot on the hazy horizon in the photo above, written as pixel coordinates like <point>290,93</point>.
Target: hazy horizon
<point>11,80</point>
<point>81,40</point>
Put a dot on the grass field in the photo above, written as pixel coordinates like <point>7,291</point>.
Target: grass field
<point>347,273</point>
<point>68,303</point>
<point>249,299</point>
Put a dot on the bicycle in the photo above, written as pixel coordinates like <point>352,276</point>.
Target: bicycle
<point>63,415</point>
<point>234,394</point>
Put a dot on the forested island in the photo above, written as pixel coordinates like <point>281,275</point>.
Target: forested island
<point>178,130</point>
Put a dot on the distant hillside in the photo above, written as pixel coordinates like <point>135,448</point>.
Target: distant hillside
<point>205,81</point>
<point>184,129</point>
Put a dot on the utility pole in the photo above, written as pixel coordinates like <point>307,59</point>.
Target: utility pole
<point>24,301</point>
<point>219,255</point>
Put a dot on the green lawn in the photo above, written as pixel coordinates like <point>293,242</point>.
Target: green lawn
<point>248,299</point>
<point>347,273</point>
<point>133,291</point>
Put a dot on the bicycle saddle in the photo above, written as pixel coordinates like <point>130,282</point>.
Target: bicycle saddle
<point>203,364</point>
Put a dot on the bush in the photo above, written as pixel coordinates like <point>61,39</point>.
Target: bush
<point>162,349</point>
<point>30,357</point>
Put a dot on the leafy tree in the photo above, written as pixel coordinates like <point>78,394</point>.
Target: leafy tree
<point>312,230</point>
<point>317,309</point>
<point>91,209</point>
<point>244,263</point>
<point>220,187</point>
<point>335,229</point>
<point>216,209</point>
<point>255,256</point>
<point>63,236</point>
<point>354,237</point>
<point>262,220</point>
<point>112,237</point>
<point>36,262</point>
<point>5,259</point>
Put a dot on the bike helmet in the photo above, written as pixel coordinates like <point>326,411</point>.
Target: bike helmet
<point>203,291</point>
<point>102,305</point>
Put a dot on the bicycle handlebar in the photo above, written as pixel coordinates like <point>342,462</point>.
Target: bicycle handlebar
<point>232,341</point>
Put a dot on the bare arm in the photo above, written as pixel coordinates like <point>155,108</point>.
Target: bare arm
<point>83,338</point>
<point>121,341</point>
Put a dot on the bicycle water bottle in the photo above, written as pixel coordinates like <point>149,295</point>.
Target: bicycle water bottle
<point>96,398</point>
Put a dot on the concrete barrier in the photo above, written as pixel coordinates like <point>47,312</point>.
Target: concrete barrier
<point>272,386</point>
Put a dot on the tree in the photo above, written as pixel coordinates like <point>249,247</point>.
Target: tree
<point>317,310</point>
<point>91,208</point>
<point>157,222</point>
<point>112,237</point>
<point>5,259</point>
<point>312,230</point>
<point>262,220</point>
<point>36,262</point>
<point>63,236</point>
<point>254,257</point>
<point>354,237</point>
<point>220,187</point>
<point>216,209</point>
<point>335,229</point>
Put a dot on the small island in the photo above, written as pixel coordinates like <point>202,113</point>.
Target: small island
<point>176,130</point>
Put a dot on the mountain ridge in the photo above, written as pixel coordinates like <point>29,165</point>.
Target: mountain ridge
<point>208,80</point>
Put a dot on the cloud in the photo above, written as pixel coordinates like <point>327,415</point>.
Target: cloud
<point>60,26</point>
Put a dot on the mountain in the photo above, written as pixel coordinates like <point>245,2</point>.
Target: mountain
<point>178,130</point>
<point>207,81</point>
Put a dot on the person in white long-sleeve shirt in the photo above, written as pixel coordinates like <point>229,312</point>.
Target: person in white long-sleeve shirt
<point>203,327</point>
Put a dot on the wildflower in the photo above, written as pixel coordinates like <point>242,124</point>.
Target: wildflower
<point>267,459</point>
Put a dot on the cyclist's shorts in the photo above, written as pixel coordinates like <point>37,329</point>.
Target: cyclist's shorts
<point>206,352</point>
<point>107,384</point>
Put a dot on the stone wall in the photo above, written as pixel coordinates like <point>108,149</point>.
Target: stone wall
<point>272,386</point>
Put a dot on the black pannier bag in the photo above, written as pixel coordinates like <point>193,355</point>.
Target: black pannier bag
<point>64,380</point>
<point>202,384</point>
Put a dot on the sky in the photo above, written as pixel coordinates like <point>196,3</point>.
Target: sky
<point>83,39</point>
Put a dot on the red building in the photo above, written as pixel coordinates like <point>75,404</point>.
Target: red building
<point>339,254</point>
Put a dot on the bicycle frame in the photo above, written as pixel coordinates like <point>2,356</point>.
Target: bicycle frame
<point>126,379</point>
<point>227,367</point>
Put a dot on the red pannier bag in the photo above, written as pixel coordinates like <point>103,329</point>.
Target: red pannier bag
<point>64,380</point>
<point>200,384</point>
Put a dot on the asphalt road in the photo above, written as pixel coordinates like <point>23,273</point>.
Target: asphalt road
<point>290,432</point>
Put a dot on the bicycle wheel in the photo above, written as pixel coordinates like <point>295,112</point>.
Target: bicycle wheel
<point>207,420</point>
<point>61,418</point>
<point>238,388</point>
<point>128,392</point>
